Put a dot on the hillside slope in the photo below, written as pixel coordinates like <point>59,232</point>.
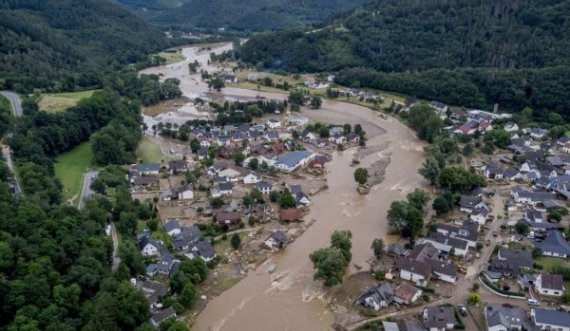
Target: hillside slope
<point>415,45</point>
<point>238,15</point>
<point>66,44</point>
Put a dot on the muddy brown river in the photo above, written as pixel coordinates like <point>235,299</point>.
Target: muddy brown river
<point>289,299</point>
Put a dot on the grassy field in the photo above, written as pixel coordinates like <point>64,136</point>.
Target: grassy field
<point>57,102</point>
<point>172,57</point>
<point>149,152</point>
<point>549,262</point>
<point>71,167</point>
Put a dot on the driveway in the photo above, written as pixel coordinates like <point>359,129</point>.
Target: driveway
<point>86,191</point>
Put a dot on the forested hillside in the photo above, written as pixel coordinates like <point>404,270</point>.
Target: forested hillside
<point>68,44</point>
<point>238,15</point>
<point>464,52</point>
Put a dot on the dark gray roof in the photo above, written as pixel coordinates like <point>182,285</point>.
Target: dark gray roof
<point>554,243</point>
<point>505,315</point>
<point>225,186</point>
<point>172,225</point>
<point>439,317</point>
<point>454,242</point>
<point>524,257</point>
<point>163,315</point>
<point>264,185</point>
<point>145,180</point>
<point>417,267</point>
<point>293,158</point>
<point>279,236</point>
<point>205,250</point>
<point>552,317</point>
<point>146,167</point>
<point>384,292</point>
<point>468,201</point>
<point>445,268</point>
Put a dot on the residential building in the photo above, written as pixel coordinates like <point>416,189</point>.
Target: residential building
<point>551,319</point>
<point>277,240</point>
<point>149,247</point>
<point>250,178</point>
<point>377,297</point>
<point>554,245</point>
<point>291,161</point>
<point>504,317</point>
<point>468,203</point>
<point>406,294</point>
<point>549,284</point>
<point>439,318</point>
<point>264,187</point>
<point>162,316</point>
<point>172,228</point>
<point>146,169</point>
<point>511,262</point>
<point>177,167</point>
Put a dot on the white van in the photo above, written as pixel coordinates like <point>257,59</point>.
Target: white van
<point>533,302</point>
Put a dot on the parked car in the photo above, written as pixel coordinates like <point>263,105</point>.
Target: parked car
<point>463,310</point>
<point>533,302</point>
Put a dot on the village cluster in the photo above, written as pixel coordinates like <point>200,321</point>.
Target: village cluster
<point>263,193</point>
<point>503,246</point>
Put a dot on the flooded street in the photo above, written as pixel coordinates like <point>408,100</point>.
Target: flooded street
<point>289,299</point>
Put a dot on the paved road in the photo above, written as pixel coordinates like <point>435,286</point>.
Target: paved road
<point>15,101</point>
<point>8,158</point>
<point>86,191</point>
<point>116,258</point>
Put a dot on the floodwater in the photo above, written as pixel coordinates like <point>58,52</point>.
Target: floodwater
<point>289,298</point>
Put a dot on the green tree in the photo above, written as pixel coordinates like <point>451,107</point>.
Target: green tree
<point>188,296</point>
<point>521,227</point>
<point>194,145</point>
<point>238,158</point>
<point>253,164</point>
<point>378,248</point>
<point>342,240</point>
<point>361,176</point>
<point>235,241</point>
<point>287,200</point>
<point>316,102</point>
<point>418,198</point>
<point>455,177</point>
<point>430,170</point>
<point>441,205</point>
<point>405,218</point>
<point>296,97</point>
<point>330,264</point>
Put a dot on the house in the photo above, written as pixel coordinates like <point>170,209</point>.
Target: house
<point>186,238</point>
<point>467,203</point>
<point>276,240</point>
<point>177,167</point>
<point>162,316</point>
<point>291,161</point>
<point>551,319</point>
<point>250,178</point>
<point>468,231</point>
<point>225,188</point>
<point>204,250</point>
<point>202,153</point>
<point>144,181</point>
<point>406,294</point>
<point>264,187</point>
<point>300,197</point>
<point>172,228</point>
<point>538,133</point>
<point>504,317</point>
<point>146,169</point>
<point>164,267</point>
<point>512,262</point>
<point>395,250</point>
<point>521,195</point>
<point>273,124</point>
<point>290,215</point>
<point>308,136</point>
<point>554,245</point>
<point>493,171</point>
<point>549,284</point>
<point>447,244</point>
<point>511,127</point>
<point>214,169</point>
<point>233,174</point>
<point>338,139</point>
<point>153,291</point>
<point>439,318</point>
<point>479,215</point>
<point>227,218</point>
<point>149,247</point>
<point>377,297</point>
<point>185,193</point>
<point>412,270</point>
<point>353,137</point>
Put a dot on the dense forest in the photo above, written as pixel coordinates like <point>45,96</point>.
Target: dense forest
<point>67,45</point>
<point>252,15</point>
<point>472,53</point>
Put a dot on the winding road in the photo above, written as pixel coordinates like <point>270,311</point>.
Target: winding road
<point>14,101</point>
<point>6,153</point>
